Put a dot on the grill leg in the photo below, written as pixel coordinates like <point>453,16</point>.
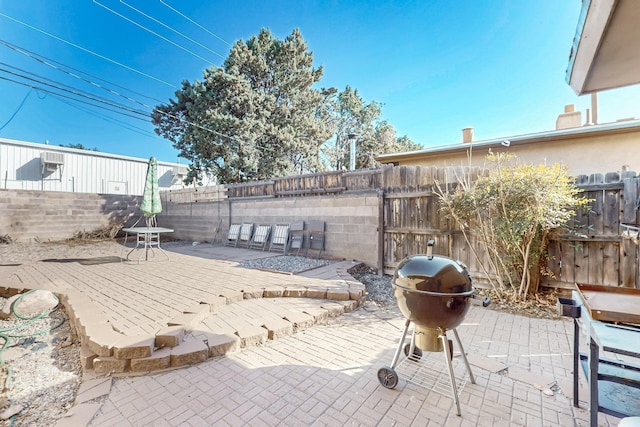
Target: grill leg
<point>401,344</point>
<point>464,357</point>
<point>447,356</point>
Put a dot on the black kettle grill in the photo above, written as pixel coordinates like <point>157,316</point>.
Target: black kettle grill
<point>434,293</point>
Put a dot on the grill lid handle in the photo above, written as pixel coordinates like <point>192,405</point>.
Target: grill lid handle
<point>430,244</point>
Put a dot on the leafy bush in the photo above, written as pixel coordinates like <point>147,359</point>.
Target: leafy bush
<point>510,212</point>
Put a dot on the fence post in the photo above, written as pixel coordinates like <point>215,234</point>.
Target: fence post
<point>380,232</point>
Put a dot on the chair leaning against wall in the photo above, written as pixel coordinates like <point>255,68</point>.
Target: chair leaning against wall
<point>296,237</point>
<point>260,237</point>
<point>233,235</point>
<point>246,233</point>
<point>315,239</point>
<point>280,238</point>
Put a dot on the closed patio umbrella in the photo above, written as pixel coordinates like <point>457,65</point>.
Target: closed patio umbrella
<point>151,204</point>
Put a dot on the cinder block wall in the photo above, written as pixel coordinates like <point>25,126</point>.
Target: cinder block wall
<point>351,220</point>
<point>52,215</point>
<point>195,221</point>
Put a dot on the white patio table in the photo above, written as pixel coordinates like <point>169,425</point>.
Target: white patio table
<point>147,237</point>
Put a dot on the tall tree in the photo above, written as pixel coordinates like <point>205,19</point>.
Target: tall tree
<point>256,117</point>
<point>359,121</point>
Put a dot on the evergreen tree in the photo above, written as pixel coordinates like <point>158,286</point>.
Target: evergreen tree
<point>256,117</point>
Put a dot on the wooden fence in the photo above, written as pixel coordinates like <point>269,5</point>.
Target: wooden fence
<point>411,217</point>
<point>309,185</point>
<point>602,256</point>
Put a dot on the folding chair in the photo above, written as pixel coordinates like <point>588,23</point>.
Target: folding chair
<point>280,237</point>
<point>296,236</point>
<point>316,237</point>
<point>246,232</point>
<point>260,237</point>
<point>233,235</point>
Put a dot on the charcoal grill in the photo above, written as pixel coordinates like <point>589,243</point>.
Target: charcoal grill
<point>433,292</point>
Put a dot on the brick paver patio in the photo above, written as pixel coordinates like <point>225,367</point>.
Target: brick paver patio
<point>325,374</point>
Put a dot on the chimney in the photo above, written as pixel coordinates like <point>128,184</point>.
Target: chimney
<point>569,119</point>
<point>467,135</point>
<point>594,108</point>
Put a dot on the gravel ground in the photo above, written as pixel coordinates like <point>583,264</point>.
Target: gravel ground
<point>41,372</point>
<point>286,263</point>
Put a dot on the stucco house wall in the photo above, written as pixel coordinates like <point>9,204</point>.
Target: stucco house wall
<point>584,150</point>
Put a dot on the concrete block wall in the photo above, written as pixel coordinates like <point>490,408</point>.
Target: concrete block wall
<point>351,221</point>
<point>195,221</point>
<point>27,215</point>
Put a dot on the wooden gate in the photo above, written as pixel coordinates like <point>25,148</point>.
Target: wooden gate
<point>412,214</point>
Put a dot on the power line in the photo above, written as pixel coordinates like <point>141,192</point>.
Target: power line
<point>125,125</point>
<point>88,51</point>
<point>41,89</point>
<point>76,92</point>
<point>172,29</point>
<point>153,32</point>
<point>17,110</point>
<point>90,82</point>
<point>180,119</point>
<point>49,62</point>
<point>195,23</point>
<point>70,88</point>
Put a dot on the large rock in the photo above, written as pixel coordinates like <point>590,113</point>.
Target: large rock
<point>35,303</point>
<point>5,312</point>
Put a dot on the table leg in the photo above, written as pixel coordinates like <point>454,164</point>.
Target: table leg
<point>594,359</point>
<point>576,357</point>
<point>162,250</point>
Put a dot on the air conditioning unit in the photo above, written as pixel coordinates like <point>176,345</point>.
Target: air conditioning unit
<point>179,172</point>
<point>52,158</point>
<point>51,161</point>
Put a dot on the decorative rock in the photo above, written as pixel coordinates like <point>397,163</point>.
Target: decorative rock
<point>6,312</point>
<point>35,302</point>
<point>10,412</point>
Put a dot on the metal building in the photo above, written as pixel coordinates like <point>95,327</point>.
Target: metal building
<point>31,166</point>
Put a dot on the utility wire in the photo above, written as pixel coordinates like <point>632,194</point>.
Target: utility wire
<point>172,29</point>
<point>90,82</point>
<point>195,23</point>
<point>17,110</point>
<point>69,88</point>
<point>87,50</point>
<point>41,89</point>
<point>153,32</point>
<point>180,119</point>
<point>49,62</point>
<point>106,118</point>
<point>77,93</point>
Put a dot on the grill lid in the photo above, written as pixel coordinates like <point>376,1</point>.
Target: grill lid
<point>432,274</point>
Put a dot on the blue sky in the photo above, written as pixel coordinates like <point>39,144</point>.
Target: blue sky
<point>436,66</point>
